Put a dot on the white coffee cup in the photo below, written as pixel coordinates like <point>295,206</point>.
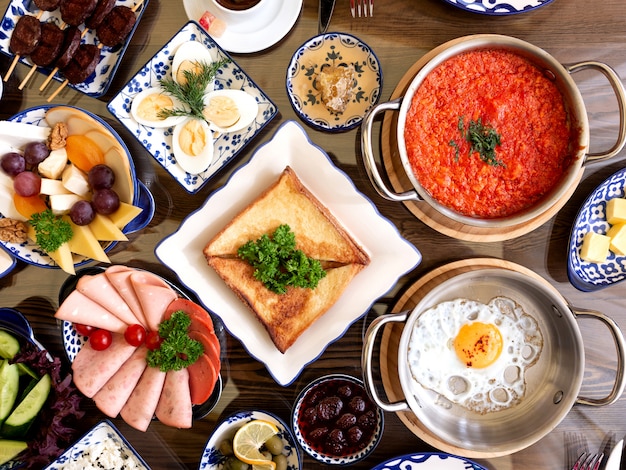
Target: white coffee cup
<point>256,17</point>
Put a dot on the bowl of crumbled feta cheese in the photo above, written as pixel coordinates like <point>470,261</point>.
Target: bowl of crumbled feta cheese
<point>102,447</point>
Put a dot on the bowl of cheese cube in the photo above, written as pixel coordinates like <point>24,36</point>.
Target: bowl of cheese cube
<point>597,244</point>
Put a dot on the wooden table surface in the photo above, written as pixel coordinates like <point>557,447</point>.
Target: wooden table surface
<point>400,32</point>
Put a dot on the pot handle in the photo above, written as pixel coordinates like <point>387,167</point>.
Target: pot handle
<point>366,360</point>
<point>620,94</point>
<point>368,153</point>
<point>620,376</point>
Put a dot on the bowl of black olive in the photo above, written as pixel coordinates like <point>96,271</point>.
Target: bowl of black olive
<point>335,421</point>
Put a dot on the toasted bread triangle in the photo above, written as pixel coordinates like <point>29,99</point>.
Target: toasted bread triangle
<point>318,234</point>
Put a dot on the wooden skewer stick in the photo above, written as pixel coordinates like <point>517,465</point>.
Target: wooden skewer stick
<point>17,58</point>
<point>65,82</point>
<point>27,77</point>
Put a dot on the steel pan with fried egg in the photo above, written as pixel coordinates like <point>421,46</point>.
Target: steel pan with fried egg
<point>553,383</point>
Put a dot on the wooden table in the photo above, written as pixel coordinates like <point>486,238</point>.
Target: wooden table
<point>400,33</point>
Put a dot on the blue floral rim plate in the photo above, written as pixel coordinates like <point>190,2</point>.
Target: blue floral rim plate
<point>104,436</point>
<point>29,252</point>
<point>391,256</point>
<point>428,461</point>
<point>498,7</point>
<point>583,275</point>
<point>213,459</point>
<point>158,142</point>
<point>7,263</point>
<point>327,50</point>
<point>98,83</point>
<point>73,341</point>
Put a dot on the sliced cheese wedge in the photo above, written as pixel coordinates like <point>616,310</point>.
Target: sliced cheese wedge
<point>124,214</point>
<point>105,230</point>
<point>84,243</point>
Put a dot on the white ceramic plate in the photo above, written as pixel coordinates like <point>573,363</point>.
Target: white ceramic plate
<point>158,142</point>
<point>110,57</point>
<point>391,255</point>
<point>212,458</point>
<point>428,461</point>
<point>327,50</point>
<point>498,7</point>
<point>7,263</point>
<point>29,251</point>
<point>582,274</point>
<point>103,435</point>
<point>249,36</point>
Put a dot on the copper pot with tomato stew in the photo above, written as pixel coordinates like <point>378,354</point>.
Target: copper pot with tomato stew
<point>491,131</point>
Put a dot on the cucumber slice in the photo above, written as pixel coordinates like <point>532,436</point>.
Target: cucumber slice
<point>9,346</point>
<point>10,449</point>
<point>25,370</point>
<point>20,420</point>
<point>9,388</point>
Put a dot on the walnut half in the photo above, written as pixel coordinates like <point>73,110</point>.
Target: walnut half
<point>13,231</point>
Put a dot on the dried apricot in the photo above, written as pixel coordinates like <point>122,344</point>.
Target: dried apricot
<point>83,152</point>
<point>28,205</point>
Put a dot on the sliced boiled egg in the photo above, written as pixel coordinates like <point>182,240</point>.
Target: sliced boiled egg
<point>229,110</point>
<point>189,56</point>
<point>192,144</point>
<point>147,105</point>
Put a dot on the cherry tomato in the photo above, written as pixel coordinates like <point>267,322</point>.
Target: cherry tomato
<point>100,339</point>
<point>84,330</point>
<point>135,335</point>
<point>153,340</point>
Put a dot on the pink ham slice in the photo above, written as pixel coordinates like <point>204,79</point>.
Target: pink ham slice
<point>92,369</point>
<point>174,408</point>
<point>139,409</point>
<point>154,295</point>
<point>119,276</point>
<point>113,395</point>
<point>99,289</point>
<point>78,308</point>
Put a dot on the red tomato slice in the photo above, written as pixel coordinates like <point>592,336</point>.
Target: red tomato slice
<point>135,335</point>
<point>99,340</point>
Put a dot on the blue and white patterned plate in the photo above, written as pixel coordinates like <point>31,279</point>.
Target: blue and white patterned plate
<point>428,461</point>
<point>29,251</point>
<point>103,436</point>
<point>390,255</point>
<point>7,263</point>
<point>584,275</point>
<point>327,459</point>
<point>213,459</point>
<point>333,49</point>
<point>110,57</point>
<point>158,142</point>
<point>498,7</point>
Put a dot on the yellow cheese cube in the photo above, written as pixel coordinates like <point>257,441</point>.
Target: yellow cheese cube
<point>616,211</point>
<point>617,233</point>
<point>124,214</point>
<point>105,230</point>
<point>84,243</point>
<point>595,248</point>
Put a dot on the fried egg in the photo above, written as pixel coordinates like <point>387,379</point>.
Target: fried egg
<point>475,354</point>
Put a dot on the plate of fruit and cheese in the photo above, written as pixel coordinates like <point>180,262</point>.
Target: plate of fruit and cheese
<point>68,178</point>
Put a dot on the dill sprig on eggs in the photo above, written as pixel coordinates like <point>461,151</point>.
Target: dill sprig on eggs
<point>191,93</point>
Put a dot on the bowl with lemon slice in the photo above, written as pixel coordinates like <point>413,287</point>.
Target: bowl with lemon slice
<point>256,440</point>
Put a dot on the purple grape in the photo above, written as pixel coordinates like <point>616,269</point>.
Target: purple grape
<point>35,153</point>
<point>13,163</point>
<point>27,183</point>
<point>101,177</point>
<point>82,213</point>
<point>105,201</point>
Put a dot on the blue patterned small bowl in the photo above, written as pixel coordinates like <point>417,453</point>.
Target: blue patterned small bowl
<point>584,275</point>
<point>331,383</point>
<point>213,459</point>
<point>103,437</point>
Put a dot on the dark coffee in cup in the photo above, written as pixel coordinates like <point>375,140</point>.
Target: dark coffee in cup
<point>237,4</point>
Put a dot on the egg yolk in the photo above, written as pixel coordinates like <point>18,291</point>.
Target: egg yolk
<point>152,105</point>
<point>478,345</point>
<point>222,111</point>
<point>187,66</point>
<point>193,138</point>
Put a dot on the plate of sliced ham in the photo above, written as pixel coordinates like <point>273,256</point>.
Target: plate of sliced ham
<point>118,378</point>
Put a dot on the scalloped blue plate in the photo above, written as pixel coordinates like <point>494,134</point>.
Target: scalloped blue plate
<point>498,7</point>
<point>7,263</point>
<point>583,275</point>
<point>429,461</point>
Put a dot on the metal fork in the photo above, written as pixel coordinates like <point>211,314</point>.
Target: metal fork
<point>588,461</point>
<point>362,8</point>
